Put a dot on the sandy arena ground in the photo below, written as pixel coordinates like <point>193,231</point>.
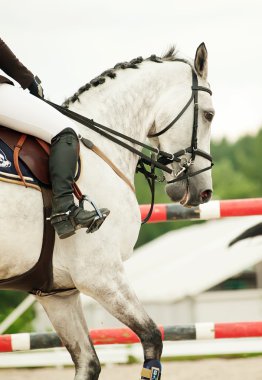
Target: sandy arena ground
<point>211,369</point>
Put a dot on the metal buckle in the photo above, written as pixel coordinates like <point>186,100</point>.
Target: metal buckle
<point>184,164</point>
<point>171,158</point>
<point>157,151</point>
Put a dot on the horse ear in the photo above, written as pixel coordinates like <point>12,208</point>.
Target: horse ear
<point>200,62</point>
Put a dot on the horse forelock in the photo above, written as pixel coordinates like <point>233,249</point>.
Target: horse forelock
<point>169,55</point>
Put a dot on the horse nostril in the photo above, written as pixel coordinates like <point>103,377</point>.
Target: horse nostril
<point>205,196</point>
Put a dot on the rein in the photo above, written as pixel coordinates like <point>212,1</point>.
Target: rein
<point>108,132</point>
<point>159,159</point>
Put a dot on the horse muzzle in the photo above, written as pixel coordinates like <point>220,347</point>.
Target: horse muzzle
<point>182,193</point>
<point>178,191</point>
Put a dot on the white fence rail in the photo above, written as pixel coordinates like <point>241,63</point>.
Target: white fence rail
<point>121,354</point>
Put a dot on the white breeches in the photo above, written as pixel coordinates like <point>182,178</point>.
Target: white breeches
<point>26,113</point>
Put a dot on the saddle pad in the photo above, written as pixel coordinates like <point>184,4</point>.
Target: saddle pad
<point>8,172</point>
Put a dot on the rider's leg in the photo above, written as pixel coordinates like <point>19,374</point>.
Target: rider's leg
<point>66,217</point>
<point>28,114</point>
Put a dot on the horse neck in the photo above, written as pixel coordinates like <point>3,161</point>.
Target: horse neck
<point>127,105</point>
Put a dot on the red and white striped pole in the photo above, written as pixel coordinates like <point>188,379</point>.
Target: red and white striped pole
<point>197,331</point>
<point>210,210</point>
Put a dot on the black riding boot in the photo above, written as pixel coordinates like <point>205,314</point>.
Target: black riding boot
<point>66,216</point>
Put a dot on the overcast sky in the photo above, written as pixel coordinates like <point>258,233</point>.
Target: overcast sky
<point>68,42</point>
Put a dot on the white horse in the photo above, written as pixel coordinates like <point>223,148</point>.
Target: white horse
<point>138,101</point>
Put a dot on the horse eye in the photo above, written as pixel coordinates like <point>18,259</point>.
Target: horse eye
<point>209,116</point>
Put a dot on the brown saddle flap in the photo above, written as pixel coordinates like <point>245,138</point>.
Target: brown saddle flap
<point>33,153</point>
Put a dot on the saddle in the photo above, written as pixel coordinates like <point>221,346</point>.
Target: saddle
<point>33,154</point>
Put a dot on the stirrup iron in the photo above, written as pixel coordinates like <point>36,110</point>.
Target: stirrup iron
<point>98,219</point>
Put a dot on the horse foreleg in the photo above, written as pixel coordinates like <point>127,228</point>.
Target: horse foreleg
<point>115,294</point>
<point>66,315</point>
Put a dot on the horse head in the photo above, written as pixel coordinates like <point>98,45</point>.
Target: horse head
<point>167,100</point>
<point>182,126</point>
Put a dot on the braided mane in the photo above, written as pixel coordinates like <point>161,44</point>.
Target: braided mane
<point>170,55</point>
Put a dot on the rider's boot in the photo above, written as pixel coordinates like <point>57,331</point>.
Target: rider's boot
<point>66,217</point>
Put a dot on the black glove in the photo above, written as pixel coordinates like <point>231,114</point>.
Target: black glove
<point>36,89</point>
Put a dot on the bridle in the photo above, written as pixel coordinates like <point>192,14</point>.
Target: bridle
<point>183,162</point>
<point>159,159</point>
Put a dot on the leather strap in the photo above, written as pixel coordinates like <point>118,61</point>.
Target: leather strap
<point>88,144</point>
<point>17,149</point>
<point>174,120</point>
<point>106,132</point>
<point>77,192</point>
<point>45,263</point>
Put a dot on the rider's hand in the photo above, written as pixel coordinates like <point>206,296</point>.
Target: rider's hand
<point>35,88</point>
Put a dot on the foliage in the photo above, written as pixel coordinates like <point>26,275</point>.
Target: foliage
<point>8,302</point>
<point>236,174</point>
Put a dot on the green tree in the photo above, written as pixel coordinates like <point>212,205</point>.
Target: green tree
<point>230,183</point>
<point>9,300</point>
<point>236,174</point>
